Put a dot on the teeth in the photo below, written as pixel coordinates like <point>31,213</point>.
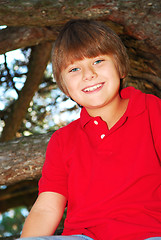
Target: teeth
<point>92,88</point>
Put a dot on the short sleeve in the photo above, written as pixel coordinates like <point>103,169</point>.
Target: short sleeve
<point>54,174</point>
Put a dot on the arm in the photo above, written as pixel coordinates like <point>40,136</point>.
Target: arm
<point>45,215</point>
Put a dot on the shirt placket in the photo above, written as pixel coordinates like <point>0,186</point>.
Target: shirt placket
<point>96,130</point>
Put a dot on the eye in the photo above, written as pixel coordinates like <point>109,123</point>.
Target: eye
<point>74,70</point>
<point>98,61</point>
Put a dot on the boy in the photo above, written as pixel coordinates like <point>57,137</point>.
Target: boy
<point>106,165</point>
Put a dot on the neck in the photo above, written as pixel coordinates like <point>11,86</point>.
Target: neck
<point>111,112</point>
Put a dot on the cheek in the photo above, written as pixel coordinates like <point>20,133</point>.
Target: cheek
<point>71,87</point>
<point>71,83</point>
<point>68,85</point>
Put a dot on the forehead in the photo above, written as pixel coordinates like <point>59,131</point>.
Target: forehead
<point>86,59</point>
<point>71,53</point>
<point>75,61</point>
<point>77,56</point>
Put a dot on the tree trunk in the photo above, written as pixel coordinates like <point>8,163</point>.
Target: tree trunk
<point>39,58</point>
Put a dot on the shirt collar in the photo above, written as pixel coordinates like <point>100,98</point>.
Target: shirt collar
<point>136,103</point>
<point>84,117</point>
<point>135,107</point>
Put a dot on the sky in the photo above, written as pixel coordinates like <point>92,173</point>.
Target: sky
<point>16,54</point>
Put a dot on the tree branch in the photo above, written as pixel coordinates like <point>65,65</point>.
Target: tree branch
<point>12,38</point>
<point>39,58</point>
<point>21,194</point>
<point>22,159</point>
<point>137,17</point>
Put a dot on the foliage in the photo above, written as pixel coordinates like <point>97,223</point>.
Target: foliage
<point>11,222</point>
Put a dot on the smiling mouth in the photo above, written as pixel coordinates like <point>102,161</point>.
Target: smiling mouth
<point>93,88</point>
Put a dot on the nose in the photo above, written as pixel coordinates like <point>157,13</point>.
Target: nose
<point>89,73</point>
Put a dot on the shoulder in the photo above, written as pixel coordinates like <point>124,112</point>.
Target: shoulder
<point>70,128</point>
<point>153,103</point>
<point>153,106</point>
<point>63,140</point>
<point>153,98</point>
<point>139,101</point>
<point>66,133</point>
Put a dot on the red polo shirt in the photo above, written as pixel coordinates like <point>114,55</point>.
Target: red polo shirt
<point>111,178</point>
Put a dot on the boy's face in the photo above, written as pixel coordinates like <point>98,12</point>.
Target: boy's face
<point>92,82</point>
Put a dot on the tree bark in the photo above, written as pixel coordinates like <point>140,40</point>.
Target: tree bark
<point>12,38</point>
<point>22,159</point>
<point>21,162</point>
<point>39,58</point>
<point>141,19</point>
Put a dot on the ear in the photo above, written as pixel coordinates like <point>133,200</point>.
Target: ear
<point>122,77</point>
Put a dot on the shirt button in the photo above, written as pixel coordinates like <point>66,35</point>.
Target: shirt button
<point>95,122</point>
<point>102,136</point>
